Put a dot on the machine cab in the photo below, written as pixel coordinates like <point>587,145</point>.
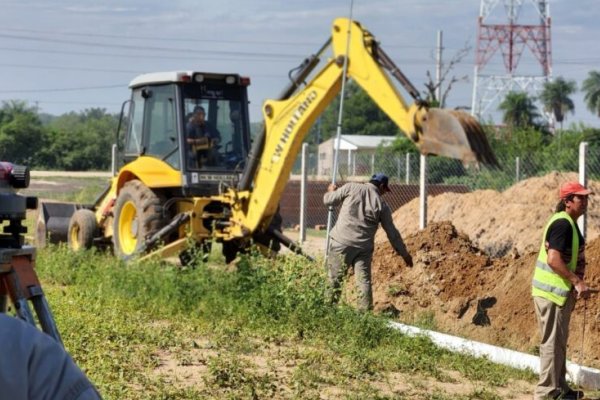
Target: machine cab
<point>196,123</point>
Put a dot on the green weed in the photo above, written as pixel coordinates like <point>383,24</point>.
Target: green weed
<point>115,319</point>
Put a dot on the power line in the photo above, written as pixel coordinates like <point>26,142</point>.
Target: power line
<point>589,62</point>
<point>145,48</point>
<point>62,68</point>
<point>138,56</point>
<point>179,39</point>
<point>65,102</point>
<point>157,38</point>
<point>65,89</point>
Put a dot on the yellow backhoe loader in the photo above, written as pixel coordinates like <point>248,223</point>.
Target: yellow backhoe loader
<point>178,184</point>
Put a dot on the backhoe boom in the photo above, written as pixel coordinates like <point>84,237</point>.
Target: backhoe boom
<point>288,120</point>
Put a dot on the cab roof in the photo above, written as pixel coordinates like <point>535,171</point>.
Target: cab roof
<point>171,76</point>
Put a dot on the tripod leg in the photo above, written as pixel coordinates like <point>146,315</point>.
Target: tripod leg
<point>19,300</point>
<point>42,309</point>
<point>3,295</point>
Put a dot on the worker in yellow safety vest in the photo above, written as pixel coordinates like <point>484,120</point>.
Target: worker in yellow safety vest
<point>557,283</point>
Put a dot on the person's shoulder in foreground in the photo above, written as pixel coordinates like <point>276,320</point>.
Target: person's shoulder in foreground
<point>34,366</point>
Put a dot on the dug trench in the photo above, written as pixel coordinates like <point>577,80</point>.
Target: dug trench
<point>457,287</point>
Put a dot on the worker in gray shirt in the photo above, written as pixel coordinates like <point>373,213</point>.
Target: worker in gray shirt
<point>352,237</point>
<point>34,366</point>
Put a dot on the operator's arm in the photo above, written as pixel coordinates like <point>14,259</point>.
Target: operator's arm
<point>393,234</point>
<point>35,366</point>
<point>334,195</point>
<point>559,234</point>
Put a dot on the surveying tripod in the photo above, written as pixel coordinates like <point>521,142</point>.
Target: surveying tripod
<point>18,280</point>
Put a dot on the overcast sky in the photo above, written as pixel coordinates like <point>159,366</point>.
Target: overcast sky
<point>69,55</point>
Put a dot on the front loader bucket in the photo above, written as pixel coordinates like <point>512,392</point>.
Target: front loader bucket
<point>53,222</point>
<point>454,134</point>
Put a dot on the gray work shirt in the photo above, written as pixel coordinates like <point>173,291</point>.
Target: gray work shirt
<point>33,366</point>
<point>362,211</point>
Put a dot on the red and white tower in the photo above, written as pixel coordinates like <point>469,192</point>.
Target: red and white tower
<point>501,62</point>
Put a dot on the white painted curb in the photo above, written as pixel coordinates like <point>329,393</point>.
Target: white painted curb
<point>587,378</point>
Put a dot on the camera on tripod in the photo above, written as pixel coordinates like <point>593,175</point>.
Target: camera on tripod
<point>18,279</point>
<point>13,207</point>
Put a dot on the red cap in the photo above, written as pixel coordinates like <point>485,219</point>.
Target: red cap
<point>570,188</point>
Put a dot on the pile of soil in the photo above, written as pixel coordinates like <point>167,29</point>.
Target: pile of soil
<point>499,222</point>
<point>465,289</point>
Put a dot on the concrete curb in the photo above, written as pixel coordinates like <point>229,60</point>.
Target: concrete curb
<point>587,378</point>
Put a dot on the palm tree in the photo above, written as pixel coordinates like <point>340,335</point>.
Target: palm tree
<point>519,110</point>
<point>591,87</point>
<point>555,98</point>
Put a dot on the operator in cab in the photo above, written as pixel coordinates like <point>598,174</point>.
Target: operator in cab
<point>203,138</point>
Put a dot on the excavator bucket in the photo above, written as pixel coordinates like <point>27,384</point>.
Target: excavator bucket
<point>454,134</point>
<point>52,225</point>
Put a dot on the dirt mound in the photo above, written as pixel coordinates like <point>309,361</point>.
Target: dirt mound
<point>500,223</point>
<point>466,292</point>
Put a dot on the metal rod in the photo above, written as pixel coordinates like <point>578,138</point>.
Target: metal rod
<point>339,128</point>
<point>303,185</point>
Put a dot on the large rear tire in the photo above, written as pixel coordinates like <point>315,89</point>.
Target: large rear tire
<point>138,215</point>
<point>82,230</point>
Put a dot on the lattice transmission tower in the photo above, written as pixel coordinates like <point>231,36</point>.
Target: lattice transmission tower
<point>502,63</point>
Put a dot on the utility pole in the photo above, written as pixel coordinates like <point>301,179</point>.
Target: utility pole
<point>438,70</point>
<point>423,158</point>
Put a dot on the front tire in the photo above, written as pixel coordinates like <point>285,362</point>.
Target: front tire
<point>82,230</point>
<point>138,215</point>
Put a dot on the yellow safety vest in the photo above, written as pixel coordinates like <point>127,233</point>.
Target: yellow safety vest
<point>547,283</point>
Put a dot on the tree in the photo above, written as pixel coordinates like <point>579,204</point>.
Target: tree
<point>445,84</point>
<point>80,141</point>
<point>21,133</point>
<point>519,110</point>
<point>591,87</point>
<point>555,98</point>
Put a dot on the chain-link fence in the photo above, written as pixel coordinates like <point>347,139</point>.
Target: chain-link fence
<point>442,175</point>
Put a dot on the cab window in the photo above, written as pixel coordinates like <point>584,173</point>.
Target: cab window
<point>160,128</point>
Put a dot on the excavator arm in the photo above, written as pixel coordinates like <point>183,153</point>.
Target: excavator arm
<point>288,120</point>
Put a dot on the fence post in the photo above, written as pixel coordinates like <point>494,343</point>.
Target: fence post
<point>517,169</point>
<point>582,221</point>
<point>302,236</point>
<point>423,193</point>
<point>372,164</point>
<point>407,168</point>
<point>398,167</point>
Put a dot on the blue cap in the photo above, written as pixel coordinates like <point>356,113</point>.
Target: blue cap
<point>381,179</point>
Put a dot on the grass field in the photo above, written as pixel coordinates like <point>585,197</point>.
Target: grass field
<point>261,329</point>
